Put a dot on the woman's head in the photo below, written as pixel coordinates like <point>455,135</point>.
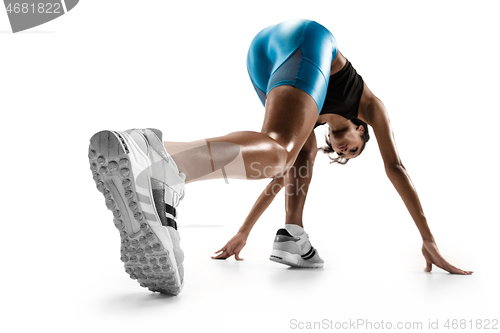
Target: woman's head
<point>348,143</point>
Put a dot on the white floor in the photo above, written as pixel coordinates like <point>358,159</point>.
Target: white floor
<point>71,278</point>
<point>115,65</point>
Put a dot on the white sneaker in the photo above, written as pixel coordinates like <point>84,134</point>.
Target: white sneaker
<point>292,247</point>
<point>142,187</point>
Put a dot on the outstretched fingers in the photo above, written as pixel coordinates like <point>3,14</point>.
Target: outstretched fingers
<point>227,252</point>
<point>221,254</point>
<point>447,267</point>
<point>434,257</point>
<point>454,270</point>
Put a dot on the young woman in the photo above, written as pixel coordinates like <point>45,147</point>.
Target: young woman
<point>302,80</point>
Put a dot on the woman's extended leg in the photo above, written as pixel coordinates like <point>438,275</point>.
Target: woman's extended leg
<point>143,188</point>
<point>289,119</point>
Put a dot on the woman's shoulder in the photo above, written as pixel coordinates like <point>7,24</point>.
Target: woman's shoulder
<point>369,106</point>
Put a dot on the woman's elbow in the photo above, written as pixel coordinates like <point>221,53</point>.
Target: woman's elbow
<point>393,168</point>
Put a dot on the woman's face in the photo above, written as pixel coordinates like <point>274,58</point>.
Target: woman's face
<point>347,143</point>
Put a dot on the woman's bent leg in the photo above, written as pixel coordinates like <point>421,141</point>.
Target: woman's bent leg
<point>289,119</point>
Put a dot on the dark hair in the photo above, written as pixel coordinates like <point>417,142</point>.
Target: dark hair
<point>328,149</point>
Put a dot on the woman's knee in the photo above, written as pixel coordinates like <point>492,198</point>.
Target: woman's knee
<point>272,162</point>
<point>285,153</point>
<point>309,153</point>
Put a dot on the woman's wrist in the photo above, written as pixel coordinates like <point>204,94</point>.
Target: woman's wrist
<point>428,237</point>
<point>423,228</point>
<point>245,231</point>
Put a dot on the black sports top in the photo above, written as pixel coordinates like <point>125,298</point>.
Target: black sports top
<point>344,93</point>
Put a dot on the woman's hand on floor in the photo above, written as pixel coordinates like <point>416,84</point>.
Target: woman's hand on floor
<point>233,247</point>
<point>433,257</point>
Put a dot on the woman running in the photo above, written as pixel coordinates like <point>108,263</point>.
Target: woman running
<point>302,80</point>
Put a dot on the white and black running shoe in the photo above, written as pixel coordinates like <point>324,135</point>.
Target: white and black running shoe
<point>142,186</point>
<point>292,247</point>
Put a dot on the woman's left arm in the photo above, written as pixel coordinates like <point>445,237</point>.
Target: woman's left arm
<point>396,172</point>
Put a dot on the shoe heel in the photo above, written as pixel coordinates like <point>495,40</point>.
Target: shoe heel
<point>285,258</point>
<point>109,144</point>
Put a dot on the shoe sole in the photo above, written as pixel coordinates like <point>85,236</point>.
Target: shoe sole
<point>293,260</point>
<point>146,246</point>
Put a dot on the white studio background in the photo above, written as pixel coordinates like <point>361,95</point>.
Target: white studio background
<point>180,67</point>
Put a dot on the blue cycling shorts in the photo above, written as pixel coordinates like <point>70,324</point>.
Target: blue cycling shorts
<point>298,53</point>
